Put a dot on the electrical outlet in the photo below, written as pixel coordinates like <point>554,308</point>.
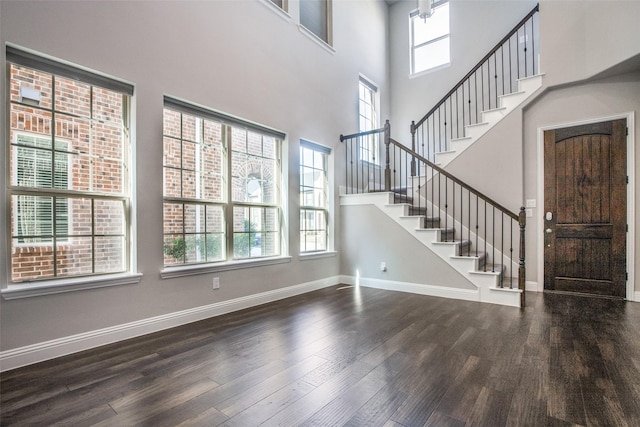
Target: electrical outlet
<point>216,283</point>
<point>383,266</point>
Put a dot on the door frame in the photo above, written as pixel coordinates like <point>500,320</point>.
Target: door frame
<point>632,295</point>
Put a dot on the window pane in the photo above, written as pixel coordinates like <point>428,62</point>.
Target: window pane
<point>171,123</point>
<point>31,261</point>
<point>108,106</point>
<point>433,27</point>
<point>174,249</point>
<point>75,257</point>
<point>73,97</point>
<point>171,152</point>
<point>173,218</point>
<point>23,77</point>
<point>194,218</point>
<point>431,55</point>
<point>110,251</point>
<point>215,219</point>
<point>191,128</point>
<point>215,246</point>
<point>80,216</point>
<point>196,247</point>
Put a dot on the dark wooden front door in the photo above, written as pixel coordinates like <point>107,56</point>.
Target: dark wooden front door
<point>585,206</point>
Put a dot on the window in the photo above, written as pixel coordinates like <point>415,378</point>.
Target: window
<point>315,17</point>
<point>368,120</point>
<point>314,200</point>
<point>221,187</point>
<point>430,39</point>
<point>70,170</point>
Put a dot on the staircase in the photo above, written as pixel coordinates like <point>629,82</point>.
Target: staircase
<point>493,282</point>
<point>479,238</point>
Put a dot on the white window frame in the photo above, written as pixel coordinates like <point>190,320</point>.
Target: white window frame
<point>438,8</point>
<point>228,261</point>
<point>326,22</point>
<point>54,285</point>
<point>369,145</point>
<point>317,149</point>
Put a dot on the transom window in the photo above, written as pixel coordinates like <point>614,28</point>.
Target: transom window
<point>222,180</point>
<point>70,170</point>
<point>430,38</point>
<point>314,201</point>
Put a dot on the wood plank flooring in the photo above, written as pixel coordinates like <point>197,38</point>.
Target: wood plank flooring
<point>354,357</point>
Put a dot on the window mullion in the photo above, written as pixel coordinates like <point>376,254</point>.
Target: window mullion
<point>228,209</point>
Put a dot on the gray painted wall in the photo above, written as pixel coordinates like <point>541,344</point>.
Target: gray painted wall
<point>239,57</point>
<point>371,237</point>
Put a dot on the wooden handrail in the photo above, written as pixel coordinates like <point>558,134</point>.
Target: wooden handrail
<point>474,69</point>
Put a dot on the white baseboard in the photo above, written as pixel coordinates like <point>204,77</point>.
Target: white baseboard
<point>414,288</point>
<point>531,286</point>
<point>27,355</point>
<point>636,297</point>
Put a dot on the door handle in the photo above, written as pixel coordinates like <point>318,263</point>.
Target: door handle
<point>548,216</point>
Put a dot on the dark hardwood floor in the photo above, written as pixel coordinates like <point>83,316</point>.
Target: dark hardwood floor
<point>356,357</point>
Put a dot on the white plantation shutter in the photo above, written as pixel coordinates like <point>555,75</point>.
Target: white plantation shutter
<point>34,169</point>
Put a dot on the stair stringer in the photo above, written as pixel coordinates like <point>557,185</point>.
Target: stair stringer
<point>497,255</point>
<point>485,282</point>
<point>489,118</point>
<point>418,183</point>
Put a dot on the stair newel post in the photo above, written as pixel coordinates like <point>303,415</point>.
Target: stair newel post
<point>522,221</point>
<point>413,147</point>
<point>387,169</point>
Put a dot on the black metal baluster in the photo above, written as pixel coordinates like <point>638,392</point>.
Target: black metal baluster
<point>485,233</point>
<point>502,68</point>
<point>510,70</point>
<point>477,222</point>
<point>533,47</point>
<point>453,212</point>
<point>469,218</point>
<point>493,238</point>
<point>495,81</point>
<point>526,69</point>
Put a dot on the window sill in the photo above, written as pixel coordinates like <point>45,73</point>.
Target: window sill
<point>193,270</point>
<point>316,39</point>
<point>429,70</point>
<point>317,255</point>
<point>50,287</point>
<point>277,10</point>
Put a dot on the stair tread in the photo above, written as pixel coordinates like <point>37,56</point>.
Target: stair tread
<point>519,92</point>
<point>495,109</point>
